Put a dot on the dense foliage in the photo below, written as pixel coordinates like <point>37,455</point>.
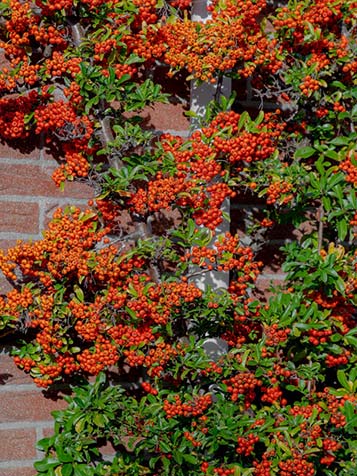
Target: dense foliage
<point>112,290</point>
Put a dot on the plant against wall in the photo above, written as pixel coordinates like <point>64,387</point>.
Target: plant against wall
<point>111,289</point>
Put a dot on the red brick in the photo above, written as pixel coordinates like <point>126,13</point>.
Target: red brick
<point>107,450</point>
<point>17,443</point>
<point>20,150</point>
<point>262,290</point>
<point>37,181</point>
<point>164,117</point>
<point>27,406</point>
<point>6,244</point>
<point>19,217</point>
<point>77,190</point>
<point>168,116</point>
<point>50,209</point>
<point>10,374</point>
<point>47,432</point>
<point>22,471</point>
<point>305,228</point>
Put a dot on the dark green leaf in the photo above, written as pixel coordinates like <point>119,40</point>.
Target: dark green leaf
<point>304,152</point>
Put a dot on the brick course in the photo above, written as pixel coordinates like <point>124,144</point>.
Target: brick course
<point>28,197</point>
<point>19,468</point>
<point>18,442</point>
<point>19,217</point>
<point>30,180</point>
<point>25,416</point>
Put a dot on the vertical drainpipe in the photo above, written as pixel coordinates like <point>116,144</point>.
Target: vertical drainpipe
<point>201,95</point>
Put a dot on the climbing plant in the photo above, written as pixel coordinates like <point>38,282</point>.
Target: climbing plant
<point>191,380</point>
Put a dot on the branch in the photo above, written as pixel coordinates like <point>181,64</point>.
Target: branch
<point>219,85</point>
<point>320,217</point>
<point>77,31</point>
<point>142,229</point>
<point>199,273</point>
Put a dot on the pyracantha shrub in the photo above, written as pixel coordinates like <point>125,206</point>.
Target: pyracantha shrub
<point>192,379</point>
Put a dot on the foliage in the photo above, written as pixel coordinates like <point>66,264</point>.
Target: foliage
<point>190,380</point>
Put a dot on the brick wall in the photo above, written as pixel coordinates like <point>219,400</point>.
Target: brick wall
<point>28,199</point>
<point>25,415</point>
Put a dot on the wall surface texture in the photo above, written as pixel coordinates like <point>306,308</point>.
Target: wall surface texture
<point>28,198</point>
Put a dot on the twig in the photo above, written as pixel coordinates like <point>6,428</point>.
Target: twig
<point>320,231</point>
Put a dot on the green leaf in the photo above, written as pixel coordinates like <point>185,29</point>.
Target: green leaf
<point>340,285</point>
<point>342,229</point>
<point>338,85</point>
<point>79,426</point>
<point>331,154</point>
<point>341,377</point>
<point>178,456</point>
<point>45,465</point>
<point>244,118</point>
<point>351,340</point>
<point>340,141</point>
<point>191,114</point>
<point>81,470</point>
<point>79,293</point>
<point>349,410</point>
<point>165,447</point>
<point>44,444</point>
<point>304,152</point>
<point>100,420</point>
<point>67,469</point>
<point>336,338</point>
<point>189,458</point>
<point>326,202</point>
<point>64,455</point>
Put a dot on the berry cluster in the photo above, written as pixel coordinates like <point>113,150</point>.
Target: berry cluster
<point>233,39</point>
<point>58,65</point>
<point>275,336</point>
<point>309,85</point>
<point>243,384</point>
<point>349,168</point>
<point>319,336</point>
<point>53,116</point>
<point>279,191</point>
<point>194,408</point>
<point>198,182</point>
<point>13,113</point>
<point>246,444</point>
<point>296,466</point>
